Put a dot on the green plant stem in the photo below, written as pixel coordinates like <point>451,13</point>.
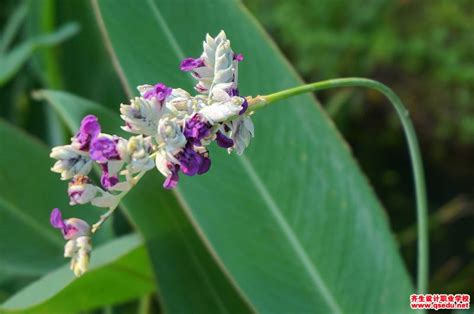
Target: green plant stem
<point>415,155</point>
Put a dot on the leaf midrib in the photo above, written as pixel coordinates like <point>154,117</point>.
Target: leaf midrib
<point>31,222</point>
<point>266,196</point>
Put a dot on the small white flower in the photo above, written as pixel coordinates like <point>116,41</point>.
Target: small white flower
<point>170,134</point>
<point>141,116</point>
<point>180,102</point>
<point>138,154</point>
<point>70,162</point>
<point>241,131</point>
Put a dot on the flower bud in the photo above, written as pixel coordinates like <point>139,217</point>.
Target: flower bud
<point>141,116</point>
<point>80,190</point>
<point>138,150</point>
<point>71,228</point>
<point>70,162</point>
<point>79,250</point>
<point>157,93</point>
<point>89,129</point>
<point>170,134</point>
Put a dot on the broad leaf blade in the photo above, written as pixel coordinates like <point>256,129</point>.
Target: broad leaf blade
<point>28,193</point>
<point>12,61</point>
<point>119,271</point>
<point>188,278</point>
<point>293,220</point>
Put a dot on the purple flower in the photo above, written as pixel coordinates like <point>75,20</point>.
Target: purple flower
<point>159,91</point>
<point>223,141</point>
<point>190,64</point>
<point>89,129</point>
<point>103,149</point>
<point>193,162</point>
<point>238,57</point>
<point>71,228</point>
<point>196,129</point>
<point>173,178</point>
<point>106,179</point>
<point>57,222</point>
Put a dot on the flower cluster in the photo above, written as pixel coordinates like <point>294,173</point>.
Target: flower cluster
<point>78,246</point>
<point>172,131</point>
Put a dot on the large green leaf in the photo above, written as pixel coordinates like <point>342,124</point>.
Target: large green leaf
<point>80,48</point>
<point>119,271</point>
<point>28,193</point>
<point>189,280</point>
<point>12,61</point>
<point>294,221</point>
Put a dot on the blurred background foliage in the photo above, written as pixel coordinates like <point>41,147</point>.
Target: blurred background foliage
<point>423,49</point>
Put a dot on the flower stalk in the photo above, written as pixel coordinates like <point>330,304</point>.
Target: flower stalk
<point>172,130</point>
<point>260,102</point>
<point>104,217</point>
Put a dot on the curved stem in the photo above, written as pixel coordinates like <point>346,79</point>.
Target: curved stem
<point>415,156</point>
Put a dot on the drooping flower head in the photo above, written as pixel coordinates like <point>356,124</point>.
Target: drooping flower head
<point>171,131</point>
<point>78,246</point>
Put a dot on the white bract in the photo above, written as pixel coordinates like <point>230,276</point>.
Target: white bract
<point>78,249</point>
<point>170,134</point>
<point>141,116</point>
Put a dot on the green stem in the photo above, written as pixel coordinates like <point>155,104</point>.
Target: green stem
<point>417,166</point>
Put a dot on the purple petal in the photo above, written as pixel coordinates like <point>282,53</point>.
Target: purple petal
<point>159,91</point>
<point>205,165</point>
<point>194,162</point>
<point>172,180</point>
<point>56,219</point>
<point>245,105</point>
<point>239,57</point>
<point>196,129</point>
<point>106,180</point>
<point>234,92</point>
<point>190,161</point>
<point>89,129</point>
<point>103,149</point>
<point>223,141</point>
<point>190,64</point>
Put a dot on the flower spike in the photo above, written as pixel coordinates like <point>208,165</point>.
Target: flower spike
<point>171,131</point>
